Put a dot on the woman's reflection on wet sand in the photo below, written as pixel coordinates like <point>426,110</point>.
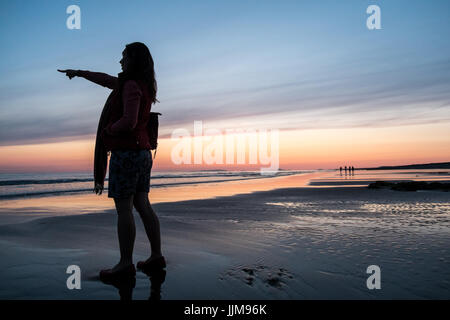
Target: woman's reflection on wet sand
<point>126,285</point>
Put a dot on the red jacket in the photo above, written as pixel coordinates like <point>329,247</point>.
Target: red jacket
<point>127,125</point>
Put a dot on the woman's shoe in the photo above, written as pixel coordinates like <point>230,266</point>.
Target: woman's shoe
<point>107,275</point>
<point>156,264</point>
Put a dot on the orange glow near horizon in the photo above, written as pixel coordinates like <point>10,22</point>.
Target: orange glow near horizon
<point>57,157</point>
<point>298,149</point>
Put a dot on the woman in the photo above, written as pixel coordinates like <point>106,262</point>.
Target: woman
<point>122,130</point>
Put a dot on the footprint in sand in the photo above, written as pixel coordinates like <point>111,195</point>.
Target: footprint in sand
<point>269,276</point>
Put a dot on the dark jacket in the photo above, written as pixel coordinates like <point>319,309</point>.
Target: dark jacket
<point>123,122</point>
<point>126,128</point>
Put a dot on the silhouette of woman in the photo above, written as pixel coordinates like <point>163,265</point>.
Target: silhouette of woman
<point>122,130</point>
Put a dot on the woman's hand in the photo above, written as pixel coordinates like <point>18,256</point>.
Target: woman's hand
<point>98,189</point>
<point>69,72</point>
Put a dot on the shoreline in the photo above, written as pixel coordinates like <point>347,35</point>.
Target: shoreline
<point>157,181</point>
<point>88,203</point>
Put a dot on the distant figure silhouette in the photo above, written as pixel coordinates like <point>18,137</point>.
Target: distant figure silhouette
<point>340,170</point>
<point>345,170</point>
<point>353,170</point>
<point>122,130</point>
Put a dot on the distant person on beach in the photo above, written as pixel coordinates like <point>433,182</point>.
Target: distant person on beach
<point>345,170</point>
<point>340,170</point>
<point>122,130</point>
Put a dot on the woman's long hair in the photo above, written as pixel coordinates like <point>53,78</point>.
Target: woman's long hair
<point>141,68</point>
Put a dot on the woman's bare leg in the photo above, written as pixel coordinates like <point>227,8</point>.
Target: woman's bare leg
<point>150,221</point>
<point>126,230</point>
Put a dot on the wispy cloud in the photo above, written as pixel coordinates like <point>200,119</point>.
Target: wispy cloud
<point>345,98</point>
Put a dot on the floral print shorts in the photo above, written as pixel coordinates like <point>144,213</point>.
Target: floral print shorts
<point>129,172</point>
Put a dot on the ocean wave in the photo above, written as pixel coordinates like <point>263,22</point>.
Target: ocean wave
<point>12,189</point>
<point>38,181</point>
<point>206,174</point>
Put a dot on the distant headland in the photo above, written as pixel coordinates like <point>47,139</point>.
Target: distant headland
<point>438,165</point>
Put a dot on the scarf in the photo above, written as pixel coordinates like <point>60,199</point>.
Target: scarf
<point>100,153</point>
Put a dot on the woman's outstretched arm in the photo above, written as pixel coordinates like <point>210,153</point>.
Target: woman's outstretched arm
<point>100,78</point>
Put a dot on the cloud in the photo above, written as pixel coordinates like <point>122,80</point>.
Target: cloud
<point>341,96</point>
<point>389,97</point>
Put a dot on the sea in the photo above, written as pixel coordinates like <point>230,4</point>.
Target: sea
<point>17,185</point>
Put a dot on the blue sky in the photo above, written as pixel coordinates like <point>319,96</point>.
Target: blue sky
<point>284,64</point>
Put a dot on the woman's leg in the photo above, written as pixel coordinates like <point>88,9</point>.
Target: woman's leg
<point>150,221</point>
<point>126,230</point>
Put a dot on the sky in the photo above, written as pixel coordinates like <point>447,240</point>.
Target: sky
<point>338,92</point>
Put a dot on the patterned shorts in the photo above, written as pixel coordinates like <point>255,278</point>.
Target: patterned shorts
<point>129,172</point>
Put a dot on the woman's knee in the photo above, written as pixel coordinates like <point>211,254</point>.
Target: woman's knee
<point>124,206</point>
<point>141,202</point>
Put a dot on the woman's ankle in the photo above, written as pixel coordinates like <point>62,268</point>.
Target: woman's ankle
<point>125,263</point>
<point>154,256</point>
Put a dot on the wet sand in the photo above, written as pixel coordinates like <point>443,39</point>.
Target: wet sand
<point>290,241</point>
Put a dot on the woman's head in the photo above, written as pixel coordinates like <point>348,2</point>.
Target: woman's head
<point>137,64</point>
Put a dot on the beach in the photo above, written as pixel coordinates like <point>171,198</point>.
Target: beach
<point>302,236</point>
